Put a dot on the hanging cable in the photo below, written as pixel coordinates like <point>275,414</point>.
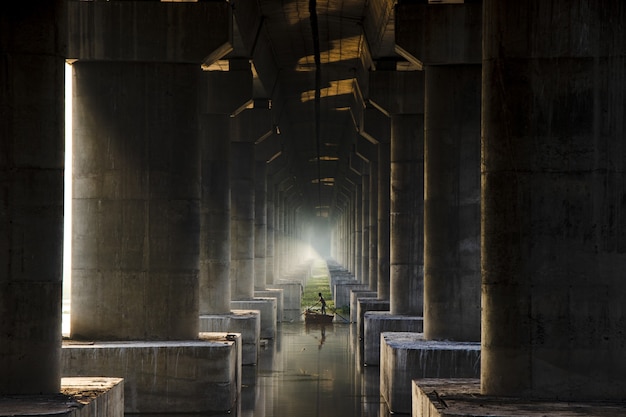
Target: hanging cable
<point>318,86</point>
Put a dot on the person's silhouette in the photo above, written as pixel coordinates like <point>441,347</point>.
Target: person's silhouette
<point>323,303</point>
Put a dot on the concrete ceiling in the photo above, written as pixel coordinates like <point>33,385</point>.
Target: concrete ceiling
<point>293,42</point>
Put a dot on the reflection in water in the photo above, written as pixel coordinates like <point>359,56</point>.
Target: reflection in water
<point>312,370</point>
<point>309,371</point>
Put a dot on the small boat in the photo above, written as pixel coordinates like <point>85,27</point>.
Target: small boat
<point>311,316</point>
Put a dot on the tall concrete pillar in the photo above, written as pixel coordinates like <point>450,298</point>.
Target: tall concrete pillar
<point>271,276</point>
<point>365,221</point>
<point>247,127</point>
<point>31,174</point>
<point>260,225</point>
<point>136,200</point>
<point>223,93</point>
<point>407,215</point>
<point>553,187</point>
<point>373,211</point>
<point>358,229</point>
<point>384,203</point>
<point>452,203</point>
<point>242,212</point>
<point>214,281</point>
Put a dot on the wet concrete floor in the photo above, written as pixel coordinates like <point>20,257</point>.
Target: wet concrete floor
<point>312,370</point>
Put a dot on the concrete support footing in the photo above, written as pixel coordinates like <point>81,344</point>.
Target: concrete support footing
<point>245,322</point>
<point>267,307</point>
<point>79,397</point>
<point>377,322</point>
<point>407,356</point>
<point>461,397</point>
<point>292,299</point>
<point>184,376</point>
<point>278,295</point>
<point>342,293</point>
<point>355,295</point>
<point>369,304</point>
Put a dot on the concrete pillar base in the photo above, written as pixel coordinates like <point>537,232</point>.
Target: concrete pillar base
<point>407,356</point>
<point>267,307</point>
<point>183,376</point>
<point>377,322</point>
<point>245,322</point>
<point>462,397</point>
<point>292,299</point>
<point>342,293</point>
<point>355,295</point>
<point>278,295</point>
<point>368,304</point>
<point>79,397</point>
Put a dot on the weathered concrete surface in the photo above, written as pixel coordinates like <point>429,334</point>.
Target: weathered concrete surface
<point>365,305</point>
<point>32,49</point>
<point>462,397</point>
<point>267,307</point>
<point>245,322</point>
<point>292,298</point>
<point>280,300</point>
<point>355,295</point>
<point>406,356</point>
<point>342,292</point>
<point>189,376</point>
<point>377,322</point>
<point>78,397</point>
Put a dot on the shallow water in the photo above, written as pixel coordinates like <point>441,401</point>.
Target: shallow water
<point>310,371</point>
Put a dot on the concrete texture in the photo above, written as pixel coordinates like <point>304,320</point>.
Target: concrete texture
<point>406,356</point>
<point>136,201</point>
<point>245,322</point>
<point>267,308</point>
<point>377,322</point>
<point>342,292</point>
<point>462,397</point>
<point>78,397</point>
<point>406,264</point>
<point>368,304</point>
<point>552,262</point>
<point>190,376</point>
<point>292,299</point>
<point>355,295</point>
<point>278,295</point>
<point>32,48</point>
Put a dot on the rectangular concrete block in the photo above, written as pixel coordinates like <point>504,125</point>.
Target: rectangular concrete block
<point>245,322</point>
<point>342,293</point>
<point>78,397</point>
<point>164,376</point>
<point>377,322</point>
<point>405,356</point>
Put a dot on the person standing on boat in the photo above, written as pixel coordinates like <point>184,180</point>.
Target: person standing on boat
<point>322,303</point>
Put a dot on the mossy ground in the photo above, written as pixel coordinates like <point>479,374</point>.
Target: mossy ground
<point>319,281</point>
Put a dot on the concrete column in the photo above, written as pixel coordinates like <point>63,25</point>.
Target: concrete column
<point>136,202</point>
<point>215,215</point>
<point>242,215</point>
<point>406,215</point>
<point>31,174</point>
<point>270,266</point>
<point>223,94</point>
<point>384,203</point>
<point>553,161</point>
<point>358,232</point>
<point>373,229</point>
<point>452,203</point>
<point>365,221</point>
<point>260,224</point>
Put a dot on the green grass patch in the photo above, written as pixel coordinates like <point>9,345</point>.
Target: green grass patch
<point>318,282</point>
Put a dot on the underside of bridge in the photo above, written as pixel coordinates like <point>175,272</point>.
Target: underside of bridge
<point>461,161</point>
